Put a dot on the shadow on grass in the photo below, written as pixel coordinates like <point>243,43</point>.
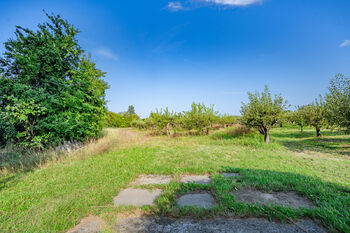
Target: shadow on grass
<point>16,163</point>
<point>330,200</point>
<point>324,145</point>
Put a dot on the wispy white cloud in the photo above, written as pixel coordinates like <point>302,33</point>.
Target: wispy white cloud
<point>345,43</point>
<point>106,53</point>
<point>233,2</point>
<point>193,4</point>
<point>175,6</point>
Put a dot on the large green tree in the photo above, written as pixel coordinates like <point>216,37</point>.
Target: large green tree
<point>263,112</point>
<point>338,101</point>
<point>49,90</point>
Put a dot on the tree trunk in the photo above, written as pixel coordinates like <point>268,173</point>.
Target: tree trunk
<point>168,129</point>
<point>318,132</point>
<point>301,128</point>
<point>207,132</point>
<point>267,137</point>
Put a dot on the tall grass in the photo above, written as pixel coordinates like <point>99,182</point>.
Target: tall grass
<point>15,159</point>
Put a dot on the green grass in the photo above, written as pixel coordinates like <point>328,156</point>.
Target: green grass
<point>56,197</point>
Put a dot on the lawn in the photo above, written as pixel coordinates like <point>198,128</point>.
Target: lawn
<point>57,195</point>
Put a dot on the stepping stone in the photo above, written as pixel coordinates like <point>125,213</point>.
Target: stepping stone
<point>153,179</point>
<point>229,175</point>
<point>199,200</point>
<point>205,179</point>
<point>291,199</point>
<point>219,225</point>
<point>136,197</point>
<point>90,224</point>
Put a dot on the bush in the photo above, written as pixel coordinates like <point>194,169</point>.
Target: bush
<point>49,90</point>
<point>140,124</point>
<point>119,120</point>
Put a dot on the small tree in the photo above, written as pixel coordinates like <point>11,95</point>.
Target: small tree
<point>131,110</point>
<point>162,120</point>
<point>315,115</point>
<point>262,112</point>
<point>300,117</point>
<point>338,101</point>
<point>200,118</point>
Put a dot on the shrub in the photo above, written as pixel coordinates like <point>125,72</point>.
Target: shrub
<point>140,124</point>
<point>119,120</point>
<point>49,90</point>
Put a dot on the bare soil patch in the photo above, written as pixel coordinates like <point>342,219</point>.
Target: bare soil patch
<point>291,199</point>
<point>91,224</point>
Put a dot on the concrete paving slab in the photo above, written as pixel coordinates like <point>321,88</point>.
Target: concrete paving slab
<point>153,179</point>
<point>229,175</point>
<point>90,224</point>
<point>199,200</point>
<point>291,199</point>
<point>203,179</point>
<point>136,197</point>
<point>220,225</point>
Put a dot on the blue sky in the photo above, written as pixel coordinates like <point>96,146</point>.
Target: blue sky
<point>160,53</point>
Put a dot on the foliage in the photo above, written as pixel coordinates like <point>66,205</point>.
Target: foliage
<point>139,124</point>
<point>119,120</point>
<point>262,112</point>
<point>162,120</point>
<point>300,117</point>
<point>315,115</point>
<point>199,118</point>
<point>131,110</point>
<point>226,120</point>
<point>338,101</point>
<point>49,90</point>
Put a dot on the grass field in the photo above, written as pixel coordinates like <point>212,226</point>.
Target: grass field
<point>57,195</point>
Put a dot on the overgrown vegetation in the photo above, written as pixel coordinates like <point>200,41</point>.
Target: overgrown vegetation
<point>50,91</point>
<point>122,119</point>
<point>200,119</point>
<point>58,195</point>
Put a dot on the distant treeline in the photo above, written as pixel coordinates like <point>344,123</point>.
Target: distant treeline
<point>51,92</point>
<point>200,119</point>
<point>122,119</point>
<point>262,112</point>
